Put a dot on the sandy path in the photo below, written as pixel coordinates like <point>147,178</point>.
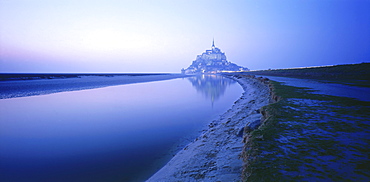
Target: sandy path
<point>214,156</point>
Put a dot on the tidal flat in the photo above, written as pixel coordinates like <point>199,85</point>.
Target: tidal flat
<point>23,85</point>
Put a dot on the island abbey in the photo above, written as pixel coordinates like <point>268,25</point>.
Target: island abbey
<point>212,61</point>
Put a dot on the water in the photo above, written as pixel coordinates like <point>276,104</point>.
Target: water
<point>360,93</point>
<point>55,83</point>
<point>118,133</point>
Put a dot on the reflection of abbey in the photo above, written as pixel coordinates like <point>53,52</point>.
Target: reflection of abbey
<point>211,86</point>
<point>212,61</point>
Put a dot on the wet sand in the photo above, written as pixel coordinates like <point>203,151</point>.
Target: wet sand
<point>215,155</point>
<point>24,88</point>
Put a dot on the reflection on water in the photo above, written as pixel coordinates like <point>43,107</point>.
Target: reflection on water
<point>119,133</point>
<point>211,86</point>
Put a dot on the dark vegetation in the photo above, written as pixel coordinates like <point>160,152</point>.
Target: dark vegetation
<point>37,76</point>
<point>353,74</point>
<point>309,137</point>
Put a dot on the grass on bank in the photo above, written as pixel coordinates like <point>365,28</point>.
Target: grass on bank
<point>348,74</point>
<point>309,137</point>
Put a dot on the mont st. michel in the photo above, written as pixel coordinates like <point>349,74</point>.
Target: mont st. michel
<point>212,61</point>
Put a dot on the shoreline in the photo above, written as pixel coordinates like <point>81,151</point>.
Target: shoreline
<point>215,154</point>
<point>43,76</point>
<point>24,88</point>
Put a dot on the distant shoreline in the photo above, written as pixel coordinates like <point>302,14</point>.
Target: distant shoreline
<point>38,76</point>
<point>42,84</point>
<point>356,74</point>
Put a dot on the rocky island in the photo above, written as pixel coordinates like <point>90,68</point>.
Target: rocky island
<point>212,61</point>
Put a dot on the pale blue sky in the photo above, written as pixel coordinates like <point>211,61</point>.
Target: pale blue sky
<point>165,36</point>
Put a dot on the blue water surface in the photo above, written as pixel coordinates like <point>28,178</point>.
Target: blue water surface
<point>117,133</point>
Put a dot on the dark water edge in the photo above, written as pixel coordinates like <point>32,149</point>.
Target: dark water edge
<point>38,76</point>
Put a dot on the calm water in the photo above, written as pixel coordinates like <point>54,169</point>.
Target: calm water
<point>118,133</point>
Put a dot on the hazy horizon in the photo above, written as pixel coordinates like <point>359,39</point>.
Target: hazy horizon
<point>165,36</point>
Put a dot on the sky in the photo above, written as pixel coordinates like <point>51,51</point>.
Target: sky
<point>151,36</point>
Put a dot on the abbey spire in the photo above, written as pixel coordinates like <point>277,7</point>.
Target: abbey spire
<point>211,62</point>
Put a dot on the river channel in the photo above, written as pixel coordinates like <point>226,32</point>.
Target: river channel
<point>116,133</point>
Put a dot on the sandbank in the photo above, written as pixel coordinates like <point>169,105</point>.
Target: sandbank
<point>215,155</point>
<point>24,88</point>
